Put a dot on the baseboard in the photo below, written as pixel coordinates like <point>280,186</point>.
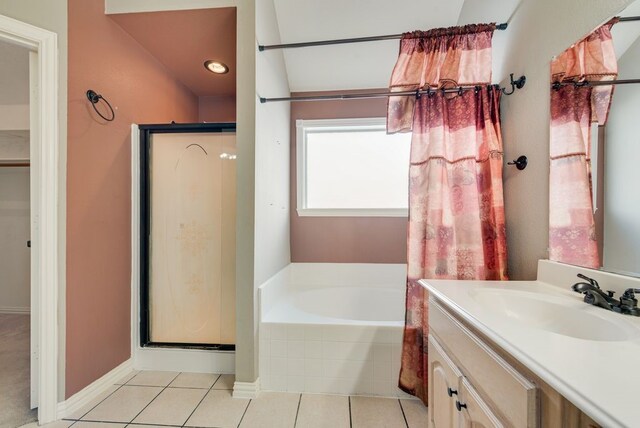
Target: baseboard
<point>14,310</point>
<point>246,389</point>
<point>93,390</point>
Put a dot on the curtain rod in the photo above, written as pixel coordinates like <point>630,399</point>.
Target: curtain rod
<point>515,84</point>
<point>261,48</point>
<point>629,18</point>
<point>557,85</point>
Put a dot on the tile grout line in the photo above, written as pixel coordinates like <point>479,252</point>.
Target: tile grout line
<point>200,402</point>
<point>403,415</point>
<point>350,417</point>
<point>245,412</point>
<point>295,421</point>
<point>154,399</point>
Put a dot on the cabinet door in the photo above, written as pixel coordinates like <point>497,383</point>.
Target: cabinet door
<point>443,387</point>
<point>472,411</point>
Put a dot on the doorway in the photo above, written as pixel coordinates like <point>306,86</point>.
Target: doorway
<point>42,202</point>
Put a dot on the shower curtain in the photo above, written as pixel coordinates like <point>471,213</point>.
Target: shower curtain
<point>572,236</point>
<point>456,212</point>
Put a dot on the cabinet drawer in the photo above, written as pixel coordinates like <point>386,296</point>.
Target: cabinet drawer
<point>511,397</point>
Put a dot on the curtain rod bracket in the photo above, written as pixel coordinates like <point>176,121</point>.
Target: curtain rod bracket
<point>515,84</point>
<point>502,26</point>
<point>520,163</point>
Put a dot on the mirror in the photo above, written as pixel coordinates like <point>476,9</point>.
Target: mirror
<point>594,204</point>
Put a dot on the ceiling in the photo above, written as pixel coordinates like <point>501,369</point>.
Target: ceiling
<point>368,65</point>
<point>14,74</point>
<point>183,40</point>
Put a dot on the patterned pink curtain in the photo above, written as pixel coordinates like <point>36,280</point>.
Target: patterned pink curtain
<point>572,237</point>
<point>456,212</point>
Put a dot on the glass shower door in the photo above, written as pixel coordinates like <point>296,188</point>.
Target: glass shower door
<point>191,251</point>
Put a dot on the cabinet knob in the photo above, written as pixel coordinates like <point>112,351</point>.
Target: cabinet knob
<point>451,392</point>
<point>460,406</point>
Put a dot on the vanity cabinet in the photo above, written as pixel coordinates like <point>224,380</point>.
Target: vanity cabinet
<point>474,383</point>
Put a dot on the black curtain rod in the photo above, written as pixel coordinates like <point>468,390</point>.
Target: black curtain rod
<point>557,85</point>
<point>629,18</point>
<point>515,84</point>
<point>261,48</point>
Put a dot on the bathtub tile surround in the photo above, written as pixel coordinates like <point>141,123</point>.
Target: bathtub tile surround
<point>202,404</point>
<point>333,328</point>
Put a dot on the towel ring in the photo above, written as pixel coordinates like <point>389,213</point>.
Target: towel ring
<point>94,98</point>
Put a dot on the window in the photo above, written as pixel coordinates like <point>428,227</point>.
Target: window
<point>351,167</point>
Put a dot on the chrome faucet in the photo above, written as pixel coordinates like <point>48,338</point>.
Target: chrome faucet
<point>593,295</point>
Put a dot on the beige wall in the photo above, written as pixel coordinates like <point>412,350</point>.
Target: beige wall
<point>15,230</point>
<point>52,15</point>
<point>539,30</point>
<point>271,242</point>
<point>342,239</point>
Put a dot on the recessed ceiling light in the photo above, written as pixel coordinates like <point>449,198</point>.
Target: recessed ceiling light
<point>216,67</point>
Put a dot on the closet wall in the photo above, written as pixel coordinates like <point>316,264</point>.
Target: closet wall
<point>15,223</point>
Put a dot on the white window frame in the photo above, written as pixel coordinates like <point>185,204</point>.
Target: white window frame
<point>305,126</point>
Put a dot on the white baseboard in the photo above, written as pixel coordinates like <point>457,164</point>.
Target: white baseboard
<point>93,390</point>
<point>246,389</point>
<point>14,310</point>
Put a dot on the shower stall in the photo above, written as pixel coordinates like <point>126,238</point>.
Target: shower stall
<point>188,229</point>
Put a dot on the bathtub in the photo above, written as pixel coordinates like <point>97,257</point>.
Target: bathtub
<point>332,328</point>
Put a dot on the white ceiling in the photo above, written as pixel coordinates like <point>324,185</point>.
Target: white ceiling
<point>366,65</point>
<point>14,74</point>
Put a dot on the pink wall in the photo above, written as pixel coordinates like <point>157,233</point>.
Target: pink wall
<point>217,109</point>
<point>103,57</point>
<point>343,239</point>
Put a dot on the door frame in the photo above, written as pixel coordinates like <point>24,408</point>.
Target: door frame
<point>44,215</point>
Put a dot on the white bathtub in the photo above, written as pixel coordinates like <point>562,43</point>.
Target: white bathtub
<point>332,328</point>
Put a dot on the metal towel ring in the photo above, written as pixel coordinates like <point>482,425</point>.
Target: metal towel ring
<point>94,98</point>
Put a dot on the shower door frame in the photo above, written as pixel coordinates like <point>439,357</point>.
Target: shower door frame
<point>146,132</point>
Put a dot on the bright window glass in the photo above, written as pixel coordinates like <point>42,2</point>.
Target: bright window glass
<point>352,168</point>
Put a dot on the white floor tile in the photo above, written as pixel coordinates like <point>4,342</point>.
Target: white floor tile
<point>370,412</point>
<point>127,377</point>
<point>225,381</point>
<point>323,411</point>
<point>81,424</point>
<point>124,404</point>
<point>194,380</point>
<point>153,378</point>
<point>273,410</point>
<point>415,412</point>
<point>172,407</point>
<point>218,409</point>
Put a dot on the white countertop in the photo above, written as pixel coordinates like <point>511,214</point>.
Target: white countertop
<point>600,377</point>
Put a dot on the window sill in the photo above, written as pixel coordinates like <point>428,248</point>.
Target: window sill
<point>353,212</point>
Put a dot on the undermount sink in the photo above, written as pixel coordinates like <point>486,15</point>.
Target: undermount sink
<point>557,314</point>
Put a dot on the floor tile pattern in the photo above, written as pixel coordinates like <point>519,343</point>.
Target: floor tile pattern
<point>167,399</point>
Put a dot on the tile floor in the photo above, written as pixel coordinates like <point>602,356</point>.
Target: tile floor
<point>161,399</point>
